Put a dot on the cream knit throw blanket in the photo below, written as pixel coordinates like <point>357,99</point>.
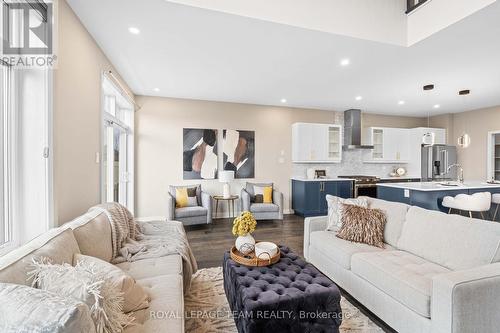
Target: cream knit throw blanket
<point>133,240</point>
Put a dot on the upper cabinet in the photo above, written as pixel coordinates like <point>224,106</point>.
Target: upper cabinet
<point>390,145</point>
<point>316,143</point>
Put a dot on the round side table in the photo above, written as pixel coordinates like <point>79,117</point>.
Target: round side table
<point>230,203</point>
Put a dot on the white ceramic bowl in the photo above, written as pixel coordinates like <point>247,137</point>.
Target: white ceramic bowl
<point>265,250</point>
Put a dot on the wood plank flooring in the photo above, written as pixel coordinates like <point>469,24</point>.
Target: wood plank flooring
<point>209,242</point>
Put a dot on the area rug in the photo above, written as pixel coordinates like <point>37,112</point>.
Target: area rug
<point>207,310</point>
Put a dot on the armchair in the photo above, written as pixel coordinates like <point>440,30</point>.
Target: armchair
<point>262,211</point>
<point>201,214</point>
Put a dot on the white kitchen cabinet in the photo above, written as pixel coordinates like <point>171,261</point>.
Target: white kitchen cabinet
<point>390,145</point>
<point>316,143</point>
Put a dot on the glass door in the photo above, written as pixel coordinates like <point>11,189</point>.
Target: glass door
<point>117,147</point>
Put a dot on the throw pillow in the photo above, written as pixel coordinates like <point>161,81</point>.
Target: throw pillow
<point>26,309</point>
<point>135,297</point>
<point>86,284</point>
<point>363,225</point>
<point>335,209</point>
<point>186,197</point>
<point>263,194</point>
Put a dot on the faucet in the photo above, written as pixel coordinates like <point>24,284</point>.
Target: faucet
<point>460,173</point>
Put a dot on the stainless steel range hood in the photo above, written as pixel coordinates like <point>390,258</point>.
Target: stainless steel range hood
<point>352,130</point>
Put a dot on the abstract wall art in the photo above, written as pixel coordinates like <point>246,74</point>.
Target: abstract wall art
<point>239,152</point>
<point>200,153</point>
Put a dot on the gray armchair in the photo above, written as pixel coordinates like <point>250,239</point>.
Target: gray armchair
<point>190,215</point>
<point>262,211</point>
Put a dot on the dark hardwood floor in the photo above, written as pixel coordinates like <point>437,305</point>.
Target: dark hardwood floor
<point>209,242</point>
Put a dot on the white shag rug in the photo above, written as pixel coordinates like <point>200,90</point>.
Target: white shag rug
<point>207,308</point>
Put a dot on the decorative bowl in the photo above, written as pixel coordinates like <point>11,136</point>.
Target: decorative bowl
<point>265,250</point>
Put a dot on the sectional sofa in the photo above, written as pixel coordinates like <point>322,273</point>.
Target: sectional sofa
<point>90,235</point>
<point>437,272</point>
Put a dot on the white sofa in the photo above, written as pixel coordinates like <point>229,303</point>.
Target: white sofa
<point>438,272</point>
<point>90,234</point>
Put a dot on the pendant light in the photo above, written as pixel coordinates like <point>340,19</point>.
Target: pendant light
<point>428,138</point>
<point>463,140</point>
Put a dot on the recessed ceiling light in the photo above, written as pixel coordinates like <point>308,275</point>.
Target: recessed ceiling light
<point>437,106</point>
<point>283,100</point>
<point>358,98</point>
<point>401,102</point>
<point>345,62</point>
<point>156,89</point>
<point>134,30</point>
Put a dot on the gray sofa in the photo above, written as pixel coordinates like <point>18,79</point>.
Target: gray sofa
<point>190,215</point>
<point>437,273</point>
<point>90,234</point>
<point>262,211</point>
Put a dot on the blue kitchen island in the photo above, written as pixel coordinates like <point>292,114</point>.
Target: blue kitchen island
<point>309,195</point>
<point>429,195</point>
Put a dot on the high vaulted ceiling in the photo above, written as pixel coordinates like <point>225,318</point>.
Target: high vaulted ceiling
<point>191,52</point>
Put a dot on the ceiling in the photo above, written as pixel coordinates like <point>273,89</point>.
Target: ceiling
<point>189,52</point>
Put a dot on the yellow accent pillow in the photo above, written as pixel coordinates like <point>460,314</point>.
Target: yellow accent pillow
<point>181,197</point>
<point>268,194</point>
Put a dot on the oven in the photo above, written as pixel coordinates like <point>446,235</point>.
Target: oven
<point>364,185</point>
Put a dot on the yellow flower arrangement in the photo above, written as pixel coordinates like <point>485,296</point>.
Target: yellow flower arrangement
<point>244,224</point>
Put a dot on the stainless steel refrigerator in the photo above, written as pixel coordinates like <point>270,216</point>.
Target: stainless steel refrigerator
<point>435,162</point>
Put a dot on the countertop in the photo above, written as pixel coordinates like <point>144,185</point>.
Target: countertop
<point>303,179</point>
<point>435,186</point>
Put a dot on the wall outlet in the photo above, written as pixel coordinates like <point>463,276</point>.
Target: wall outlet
<point>97,158</point>
<point>407,193</point>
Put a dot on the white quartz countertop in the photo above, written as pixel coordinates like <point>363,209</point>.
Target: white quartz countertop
<point>303,179</point>
<point>436,186</point>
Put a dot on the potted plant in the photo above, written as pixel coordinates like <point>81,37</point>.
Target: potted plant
<point>243,226</point>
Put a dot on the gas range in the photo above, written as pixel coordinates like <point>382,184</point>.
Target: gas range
<point>363,179</point>
<point>364,185</point>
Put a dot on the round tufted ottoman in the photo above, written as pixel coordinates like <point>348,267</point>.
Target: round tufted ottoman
<point>289,296</point>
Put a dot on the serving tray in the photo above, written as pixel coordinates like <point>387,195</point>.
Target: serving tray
<point>251,260</point>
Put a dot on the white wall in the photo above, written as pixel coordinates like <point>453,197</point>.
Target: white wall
<point>436,15</point>
<point>381,20</point>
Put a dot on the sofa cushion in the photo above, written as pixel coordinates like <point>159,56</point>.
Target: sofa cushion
<point>152,267</point>
<point>339,250</point>
<point>93,234</point>
<point>166,309</point>
<point>264,208</point>
<point>26,309</point>
<point>191,211</point>
<point>58,244</point>
<point>402,275</point>
<point>173,189</point>
<point>452,241</point>
<point>134,296</point>
<point>395,213</point>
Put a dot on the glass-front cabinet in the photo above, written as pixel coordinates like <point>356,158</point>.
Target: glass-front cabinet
<point>316,143</point>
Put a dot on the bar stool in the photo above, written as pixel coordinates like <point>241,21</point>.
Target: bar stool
<point>477,202</point>
<point>495,198</point>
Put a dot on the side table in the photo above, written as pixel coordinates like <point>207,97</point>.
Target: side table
<point>230,203</point>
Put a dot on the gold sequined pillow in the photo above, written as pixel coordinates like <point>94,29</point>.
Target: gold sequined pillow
<point>363,225</point>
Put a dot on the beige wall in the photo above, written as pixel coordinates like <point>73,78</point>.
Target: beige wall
<point>374,120</point>
<point>444,121</point>
<point>77,122</point>
<point>159,125</point>
<point>477,124</point>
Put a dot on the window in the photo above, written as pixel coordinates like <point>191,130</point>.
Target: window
<point>118,146</point>
<point>5,155</point>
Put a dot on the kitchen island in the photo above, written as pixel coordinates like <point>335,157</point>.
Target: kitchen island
<point>430,195</point>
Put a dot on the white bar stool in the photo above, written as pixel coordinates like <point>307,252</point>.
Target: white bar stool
<point>495,198</point>
<point>477,202</point>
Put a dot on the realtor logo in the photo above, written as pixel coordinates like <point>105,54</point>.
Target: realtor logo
<point>27,28</point>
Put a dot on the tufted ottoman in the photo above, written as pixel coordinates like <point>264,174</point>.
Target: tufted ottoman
<point>289,296</point>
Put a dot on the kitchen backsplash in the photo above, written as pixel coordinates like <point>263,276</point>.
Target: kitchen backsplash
<point>352,164</point>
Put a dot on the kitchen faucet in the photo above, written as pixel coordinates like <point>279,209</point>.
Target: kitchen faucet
<point>460,173</point>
